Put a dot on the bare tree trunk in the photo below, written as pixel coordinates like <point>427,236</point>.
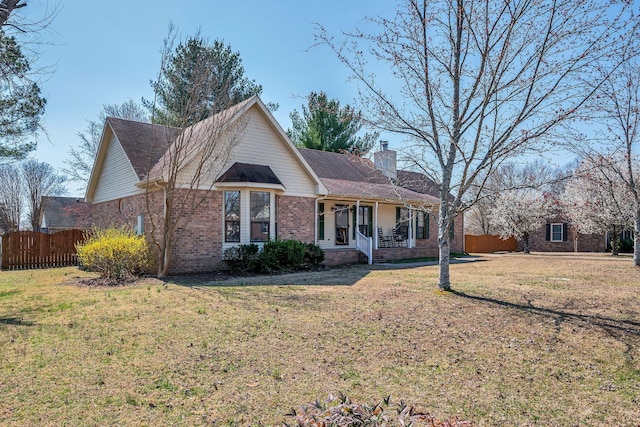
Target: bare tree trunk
<point>527,248</point>
<point>636,240</point>
<point>444,249</point>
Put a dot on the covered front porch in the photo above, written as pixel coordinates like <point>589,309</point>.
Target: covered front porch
<point>378,230</point>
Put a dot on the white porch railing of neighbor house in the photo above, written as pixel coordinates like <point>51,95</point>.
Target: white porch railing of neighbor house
<point>365,245</point>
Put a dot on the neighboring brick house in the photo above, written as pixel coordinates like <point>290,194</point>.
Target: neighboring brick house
<point>266,189</point>
<point>560,236</point>
<point>64,213</point>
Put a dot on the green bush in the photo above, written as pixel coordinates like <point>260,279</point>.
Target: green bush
<point>242,259</point>
<point>280,255</point>
<point>275,256</point>
<point>313,254</point>
<point>115,253</point>
<point>625,246</point>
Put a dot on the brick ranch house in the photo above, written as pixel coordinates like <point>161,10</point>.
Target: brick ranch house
<point>269,189</point>
<point>558,235</point>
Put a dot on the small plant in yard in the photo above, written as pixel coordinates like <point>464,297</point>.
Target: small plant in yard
<point>340,411</point>
<point>115,253</point>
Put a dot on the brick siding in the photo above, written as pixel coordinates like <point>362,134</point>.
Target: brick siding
<point>198,246</point>
<point>584,242</point>
<point>198,238</point>
<point>296,218</point>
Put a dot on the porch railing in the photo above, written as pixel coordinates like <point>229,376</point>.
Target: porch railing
<point>365,245</point>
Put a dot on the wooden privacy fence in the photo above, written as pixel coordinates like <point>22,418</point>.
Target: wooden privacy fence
<point>32,249</point>
<point>487,243</point>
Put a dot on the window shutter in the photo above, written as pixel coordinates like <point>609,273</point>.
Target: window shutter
<point>565,232</point>
<point>397,217</point>
<point>548,233</point>
<point>320,221</point>
<point>452,229</point>
<point>370,223</point>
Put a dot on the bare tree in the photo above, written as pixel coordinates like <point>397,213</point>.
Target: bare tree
<point>479,82</point>
<point>11,198</point>
<point>182,179</point>
<point>80,161</point>
<point>40,179</point>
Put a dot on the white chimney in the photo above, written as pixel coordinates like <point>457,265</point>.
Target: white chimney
<point>385,160</point>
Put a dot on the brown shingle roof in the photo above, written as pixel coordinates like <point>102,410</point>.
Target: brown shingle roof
<point>342,166</point>
<point>369,190</point>
<point>143,143</point>
<point>345,175</point>
<point>418,182</point>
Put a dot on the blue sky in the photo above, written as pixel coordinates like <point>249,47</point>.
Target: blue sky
<point>107,52</point>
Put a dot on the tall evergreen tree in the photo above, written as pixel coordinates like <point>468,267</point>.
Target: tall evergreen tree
<point>21,105</point>
<point>326,126</point>
<point>225,84</point>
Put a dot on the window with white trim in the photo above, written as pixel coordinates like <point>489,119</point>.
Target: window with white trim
<point>231,216</point>
<point>557,233</point>
<point>260,202</point>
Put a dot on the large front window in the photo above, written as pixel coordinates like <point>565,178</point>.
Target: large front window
<point>231,216</point>
<point>342,224</point>
<point>260,216</point>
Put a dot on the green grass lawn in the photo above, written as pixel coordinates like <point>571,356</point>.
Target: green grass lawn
<point>524,340</point>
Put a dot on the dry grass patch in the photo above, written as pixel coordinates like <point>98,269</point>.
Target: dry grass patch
<point>523,341</point>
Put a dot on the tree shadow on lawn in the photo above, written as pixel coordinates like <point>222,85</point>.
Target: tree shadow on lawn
<point>616,328</point>
<point>346,275</point>
<point>15,321</point>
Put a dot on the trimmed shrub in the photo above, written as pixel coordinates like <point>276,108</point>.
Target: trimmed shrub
<point>275,256</point>
<point>313,254</point>
<point>279,255</point>
<point>115,253</point>
<point>242,259</point>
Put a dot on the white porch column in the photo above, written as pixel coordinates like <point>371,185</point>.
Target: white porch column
<point>374,232</point>
<point>410,228</point>
<point>357,218</point>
